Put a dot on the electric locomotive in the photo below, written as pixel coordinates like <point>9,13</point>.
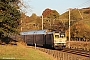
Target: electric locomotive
<point>45,38</point>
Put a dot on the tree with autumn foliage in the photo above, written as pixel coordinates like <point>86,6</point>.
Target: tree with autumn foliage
<point>48,13</point>
<point>49,18</point>
<point>80,30</point>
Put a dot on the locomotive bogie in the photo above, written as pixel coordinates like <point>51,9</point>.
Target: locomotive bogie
<point>59,45</point>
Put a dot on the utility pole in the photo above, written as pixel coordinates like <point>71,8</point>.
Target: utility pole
<point>42,22</point>
<point>69,26</point>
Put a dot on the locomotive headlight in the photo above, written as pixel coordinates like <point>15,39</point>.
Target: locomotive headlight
<point>55,43</point>
<point>64,44</point>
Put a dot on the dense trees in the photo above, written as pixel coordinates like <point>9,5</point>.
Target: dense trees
<point>9,17</point>
<point>80,30</point>
<point>50,17</point>
<point>51,21</point>
<point>52,14</point>
<point>31,23</point>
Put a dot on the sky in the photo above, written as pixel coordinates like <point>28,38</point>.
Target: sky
<point>38,6</point>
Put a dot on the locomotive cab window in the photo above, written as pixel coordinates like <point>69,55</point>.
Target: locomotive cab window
<point>62,35</point>
<point>56,36</point>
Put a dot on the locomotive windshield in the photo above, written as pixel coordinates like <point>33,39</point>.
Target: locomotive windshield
<point>57,36</point>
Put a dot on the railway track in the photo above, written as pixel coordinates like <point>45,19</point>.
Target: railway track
<point>66,54</point>
<point>77,52</point>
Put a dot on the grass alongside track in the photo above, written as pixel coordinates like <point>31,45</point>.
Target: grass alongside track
<point>21,52</point>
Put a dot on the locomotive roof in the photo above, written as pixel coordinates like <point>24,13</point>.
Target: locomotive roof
<point>36,32</point>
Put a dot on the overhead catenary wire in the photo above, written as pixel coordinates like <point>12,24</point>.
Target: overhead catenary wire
<point>84,4</point>
<point>81,5</point>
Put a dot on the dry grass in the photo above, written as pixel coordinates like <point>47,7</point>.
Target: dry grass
<point>21,52</point>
